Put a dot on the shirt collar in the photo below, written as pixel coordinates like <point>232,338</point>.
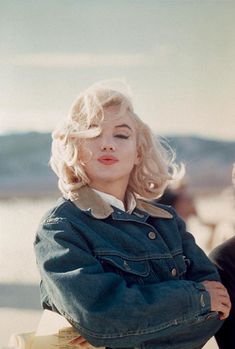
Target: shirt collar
<point>87,199</point>
<point>113,201</point>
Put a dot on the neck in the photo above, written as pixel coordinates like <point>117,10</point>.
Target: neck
<point>116,190</point>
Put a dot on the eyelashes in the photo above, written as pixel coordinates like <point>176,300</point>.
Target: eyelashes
<point>121,136</point>
<point>116,136</point>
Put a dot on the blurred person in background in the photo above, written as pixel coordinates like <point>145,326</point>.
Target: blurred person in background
<point>224,258</point>
<point>181,199</point>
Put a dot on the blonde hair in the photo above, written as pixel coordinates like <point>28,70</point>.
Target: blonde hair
<point>149,177</point>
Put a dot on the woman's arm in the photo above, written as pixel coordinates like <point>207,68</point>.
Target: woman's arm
<point>201,269</point>
<point>99,304</point>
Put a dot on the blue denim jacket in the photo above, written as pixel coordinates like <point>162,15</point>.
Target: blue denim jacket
<point>125,280</point>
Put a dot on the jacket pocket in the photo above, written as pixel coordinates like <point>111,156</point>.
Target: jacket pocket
<point>131,270</point>
<point>136,267</point>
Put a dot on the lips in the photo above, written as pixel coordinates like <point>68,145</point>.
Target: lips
<point>108,159</point>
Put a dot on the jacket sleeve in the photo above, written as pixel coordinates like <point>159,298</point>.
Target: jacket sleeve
<point>99,304</point>
<point>199,266</point>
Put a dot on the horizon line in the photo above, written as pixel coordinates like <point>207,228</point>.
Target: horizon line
<point>170,134</point>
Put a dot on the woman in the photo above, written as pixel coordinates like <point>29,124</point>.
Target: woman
<point>123,272</point>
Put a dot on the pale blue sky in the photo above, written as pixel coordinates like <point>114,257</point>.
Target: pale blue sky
<point>177,56</point>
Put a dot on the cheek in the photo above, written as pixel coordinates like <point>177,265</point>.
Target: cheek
<point>130,159</point>
<point>132,154</point>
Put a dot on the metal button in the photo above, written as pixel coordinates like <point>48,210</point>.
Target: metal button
<point>152,235</point>
<point>126,265</point>
<point>202,301</point>
<point>174,272</point>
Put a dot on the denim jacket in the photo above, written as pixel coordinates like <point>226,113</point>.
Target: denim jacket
<point>125,280</point>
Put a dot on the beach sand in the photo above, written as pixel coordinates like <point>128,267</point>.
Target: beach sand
<point>17,321</point>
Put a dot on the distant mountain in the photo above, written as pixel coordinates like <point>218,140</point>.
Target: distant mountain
<point>24,165</point>
<point>208,162</point>
<point>24,160</point>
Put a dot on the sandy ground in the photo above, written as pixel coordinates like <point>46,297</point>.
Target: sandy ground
<point>16,321</point>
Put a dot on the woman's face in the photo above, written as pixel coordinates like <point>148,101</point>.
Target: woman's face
<point>113,153</point>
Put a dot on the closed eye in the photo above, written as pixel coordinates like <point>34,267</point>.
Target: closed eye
<point>122,136</point>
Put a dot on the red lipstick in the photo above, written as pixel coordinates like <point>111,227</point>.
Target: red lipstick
<point>108,159</point>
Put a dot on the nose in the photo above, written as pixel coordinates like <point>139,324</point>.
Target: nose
<point>107,144</point>
<point>106,141</point>
<point>107,147</point>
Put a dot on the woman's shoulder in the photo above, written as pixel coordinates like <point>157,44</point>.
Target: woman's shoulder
<point>59,211</point>
<point>58,218</point>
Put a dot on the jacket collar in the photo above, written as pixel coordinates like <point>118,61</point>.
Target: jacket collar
<point>88,200</point>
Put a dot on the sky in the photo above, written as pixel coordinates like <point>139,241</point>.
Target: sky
<point>177,57</point>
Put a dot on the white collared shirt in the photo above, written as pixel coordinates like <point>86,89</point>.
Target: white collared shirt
<point>113,201</point>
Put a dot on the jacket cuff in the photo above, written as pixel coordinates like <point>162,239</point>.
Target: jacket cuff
<point>203,299</point>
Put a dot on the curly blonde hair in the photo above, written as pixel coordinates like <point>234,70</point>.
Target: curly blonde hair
<point>148,178</point>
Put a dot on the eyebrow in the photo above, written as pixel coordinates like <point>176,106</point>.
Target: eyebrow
<point>124,125</point>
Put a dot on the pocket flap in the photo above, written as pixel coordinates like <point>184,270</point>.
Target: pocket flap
<point>141,268</point>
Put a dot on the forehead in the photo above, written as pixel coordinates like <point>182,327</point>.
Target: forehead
<point>113,118</point>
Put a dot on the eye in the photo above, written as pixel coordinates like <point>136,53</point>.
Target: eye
<point>121,136</point>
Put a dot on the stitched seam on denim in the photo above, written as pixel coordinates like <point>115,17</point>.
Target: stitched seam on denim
<point>140,258</point>
<point>177,252</point>
<point>175,322</point>
<point>53,220</point>
<point>58,209</point>
<point>128,219</point>
<point>132,270</point>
